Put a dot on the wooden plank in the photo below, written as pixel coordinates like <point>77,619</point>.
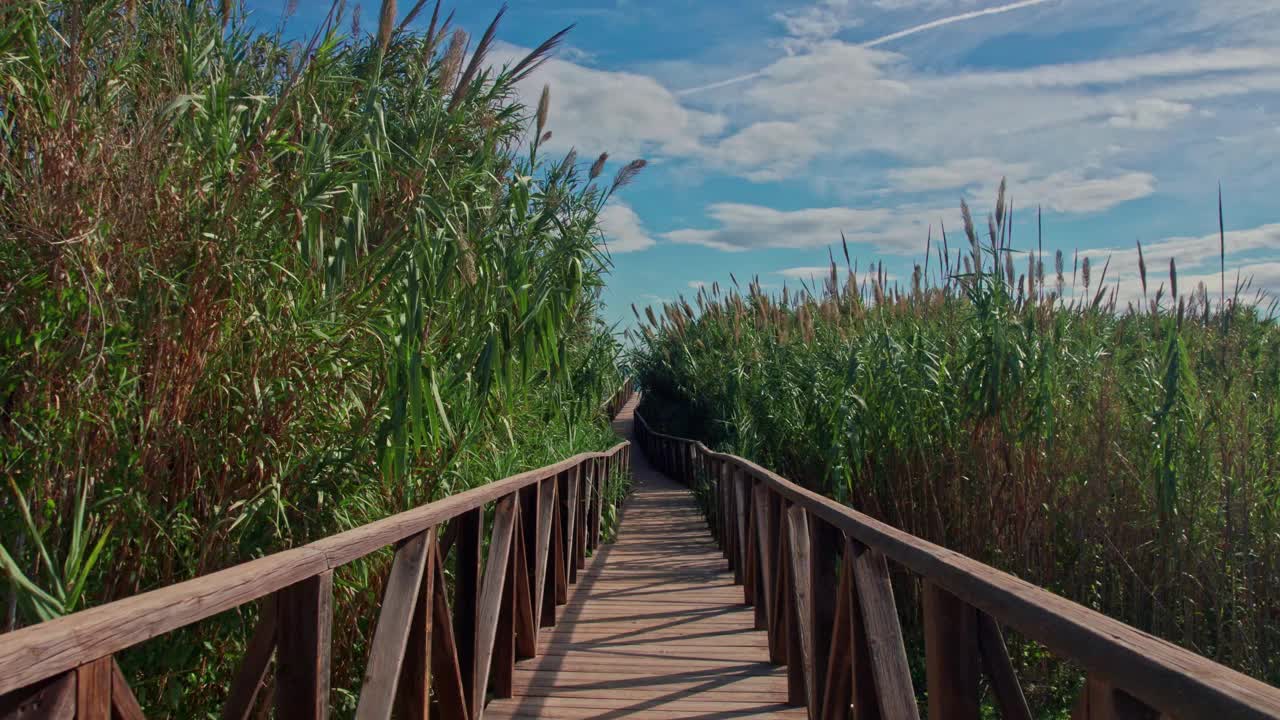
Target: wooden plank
<point>413,699</point>
<point>568,523</point>
<point>866,705</point>
<point>800,573</point>
<point>250,678</point>
<point>951,656</point>
<point>124,704</point>
<point>546,612</point>
<point>558,579</point>
<point>391,636</point>
<point>466,587</point>
<point>51,699</point>
<point>580,546</point>
<point>353,544</point>
<point>1154,671</point>
<point>778,649</point>
<point>1099,700</point>
<point>888,655</point>
<point>304,621</point>
<point>653,628</point>
<point>40,651</point>
<point>837,688</point>
<point>525,619</point>
<point>764,550</point>
<point>738,485</point>
<point>751,570</point>
<point>93,690</point>
<point>824,556</point>
<point>502,664</point>
<point>491,591</point>
<point>999,670</point>
<point>446,665</point>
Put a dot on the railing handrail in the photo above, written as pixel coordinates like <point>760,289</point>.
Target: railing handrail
<point>1161,674</point>
<point>46,650</point>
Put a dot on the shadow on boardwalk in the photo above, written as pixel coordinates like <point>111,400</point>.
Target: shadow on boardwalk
<point>655,627</point>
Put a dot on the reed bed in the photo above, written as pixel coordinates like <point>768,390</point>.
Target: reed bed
<point>1125,457</point>
<point>255,290</point>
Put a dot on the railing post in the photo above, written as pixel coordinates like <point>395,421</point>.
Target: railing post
<point>469,545</point>
<point>762,543</point>
<point>93,690</point>
<point>796,601</point>
<point>951,655</point>
<point>825,542</point>
<point>305,619</point>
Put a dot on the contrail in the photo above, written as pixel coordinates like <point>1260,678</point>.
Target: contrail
<point>953,19</point>
<point>942,22</point>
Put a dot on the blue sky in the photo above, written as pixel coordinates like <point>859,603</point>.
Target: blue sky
<point>771,127</point>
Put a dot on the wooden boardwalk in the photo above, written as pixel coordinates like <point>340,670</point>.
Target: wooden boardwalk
<point>655,627</point>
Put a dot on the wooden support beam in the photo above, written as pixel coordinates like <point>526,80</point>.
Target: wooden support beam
<point>999,670</point>
<point>250,678</point>
<point>466,581</point>
<point>837,688</point>
<point>544,602</point>
<point>569,523</point>
<point>304,618</point>
<point>764,542</point>
<point>825,544</point>
<point>739,510</point>
<point>446,663</point>
<point>391,636</point>
<point>801,683</point>
<point>951,656</point>
<point>750,571</point>
<point>124,704</point>
<point>1100,700</point>
<point>888,654</point>
<point>584,497</point>
<point>558,579</point>
<point>53,698</point>
<point>525,622</point>
<point>781,604</point>
<point>413,695</point>
<point>491,596</point>
<point>93,690</point>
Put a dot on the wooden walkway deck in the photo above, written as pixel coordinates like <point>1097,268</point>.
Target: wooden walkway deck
<point>655,627</point>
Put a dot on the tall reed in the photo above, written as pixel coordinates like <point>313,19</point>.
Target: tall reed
<point>254,291</point>
<point>1125,457</point>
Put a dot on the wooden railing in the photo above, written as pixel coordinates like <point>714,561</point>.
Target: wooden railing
<point>817,574</point>
<point>433,652</point>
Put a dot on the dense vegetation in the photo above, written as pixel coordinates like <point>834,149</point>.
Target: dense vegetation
<point>255,290</point>
<point>1123,457</point>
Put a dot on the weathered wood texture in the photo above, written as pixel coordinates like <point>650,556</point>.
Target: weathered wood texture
<point>68,662</point>
<point>966,603</point>
<point>654,628</point>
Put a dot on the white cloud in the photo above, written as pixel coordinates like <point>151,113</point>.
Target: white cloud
<point>1148,114</point>
<point>1068,191</point>
<point>815,23</point>
<point>697,284</point>
<point>745,227</point>
<point>959,173</point>
<point>1126,70</point>
<point>1191,252</point>
<point>622,113</point>
<point>832,78</point>
<point>1076,191</point>
<point>748,227</point>
<point>766,150</point>
<point>623,230</point>
<point>805,272</point>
